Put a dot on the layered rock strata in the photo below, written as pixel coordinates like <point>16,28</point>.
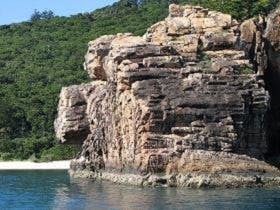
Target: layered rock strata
<point>184,105</point>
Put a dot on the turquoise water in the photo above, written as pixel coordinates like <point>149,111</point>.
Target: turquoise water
<point>55,190</point>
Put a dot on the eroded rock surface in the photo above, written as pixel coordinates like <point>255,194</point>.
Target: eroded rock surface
<point>184,105</point>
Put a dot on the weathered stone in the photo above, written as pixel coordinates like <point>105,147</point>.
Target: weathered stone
<point>214,41</point>
<point>178,26</point>
<point>273,30</point>
<point>97,50</point>
<point>183,101</point>
<point>72,124</point>
<point>248,29</point>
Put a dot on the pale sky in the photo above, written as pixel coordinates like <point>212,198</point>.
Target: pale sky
<point>14,11</point>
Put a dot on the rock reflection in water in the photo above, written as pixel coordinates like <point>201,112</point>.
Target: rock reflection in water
<point>86,194</point>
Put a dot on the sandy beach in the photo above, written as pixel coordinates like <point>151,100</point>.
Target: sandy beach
<point>26,165</point>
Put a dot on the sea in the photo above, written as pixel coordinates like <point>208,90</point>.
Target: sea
<point>56,190</point>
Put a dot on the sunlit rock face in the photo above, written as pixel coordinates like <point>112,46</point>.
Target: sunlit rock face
<point>186,98</point>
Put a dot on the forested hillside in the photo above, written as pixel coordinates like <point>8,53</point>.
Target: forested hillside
<point>39,57</point>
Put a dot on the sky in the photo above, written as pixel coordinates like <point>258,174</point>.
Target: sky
<point>14,11</point>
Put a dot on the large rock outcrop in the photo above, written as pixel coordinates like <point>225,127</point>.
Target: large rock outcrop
<point>183,105</point>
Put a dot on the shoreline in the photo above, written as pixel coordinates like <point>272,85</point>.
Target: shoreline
<point>190,180</point>
<point>28,165</point>
<point>201,170</point>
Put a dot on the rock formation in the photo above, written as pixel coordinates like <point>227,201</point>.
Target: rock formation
<point>272,78</point>
<point>184,105</point>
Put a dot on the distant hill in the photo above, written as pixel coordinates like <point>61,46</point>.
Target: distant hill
<point>39,57</point>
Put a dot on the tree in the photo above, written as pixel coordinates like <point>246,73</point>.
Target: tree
<point>13,122</point>
<point>35,16</point>
<point>44,15</point>
<point>47,14</point>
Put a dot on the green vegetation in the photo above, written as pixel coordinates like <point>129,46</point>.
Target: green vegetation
<point>39,57</point>
<point>42,148</point>
<point>239,9</point>
<point>246,70</point>
<point>37,15</point>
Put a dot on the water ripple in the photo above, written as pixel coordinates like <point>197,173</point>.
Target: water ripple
<point>55,190</point>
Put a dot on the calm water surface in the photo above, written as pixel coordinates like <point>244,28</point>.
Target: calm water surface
<point>55,190</point>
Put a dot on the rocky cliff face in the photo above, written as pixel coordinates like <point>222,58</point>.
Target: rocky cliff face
<point>272,78</point>
<point>185,104</point>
